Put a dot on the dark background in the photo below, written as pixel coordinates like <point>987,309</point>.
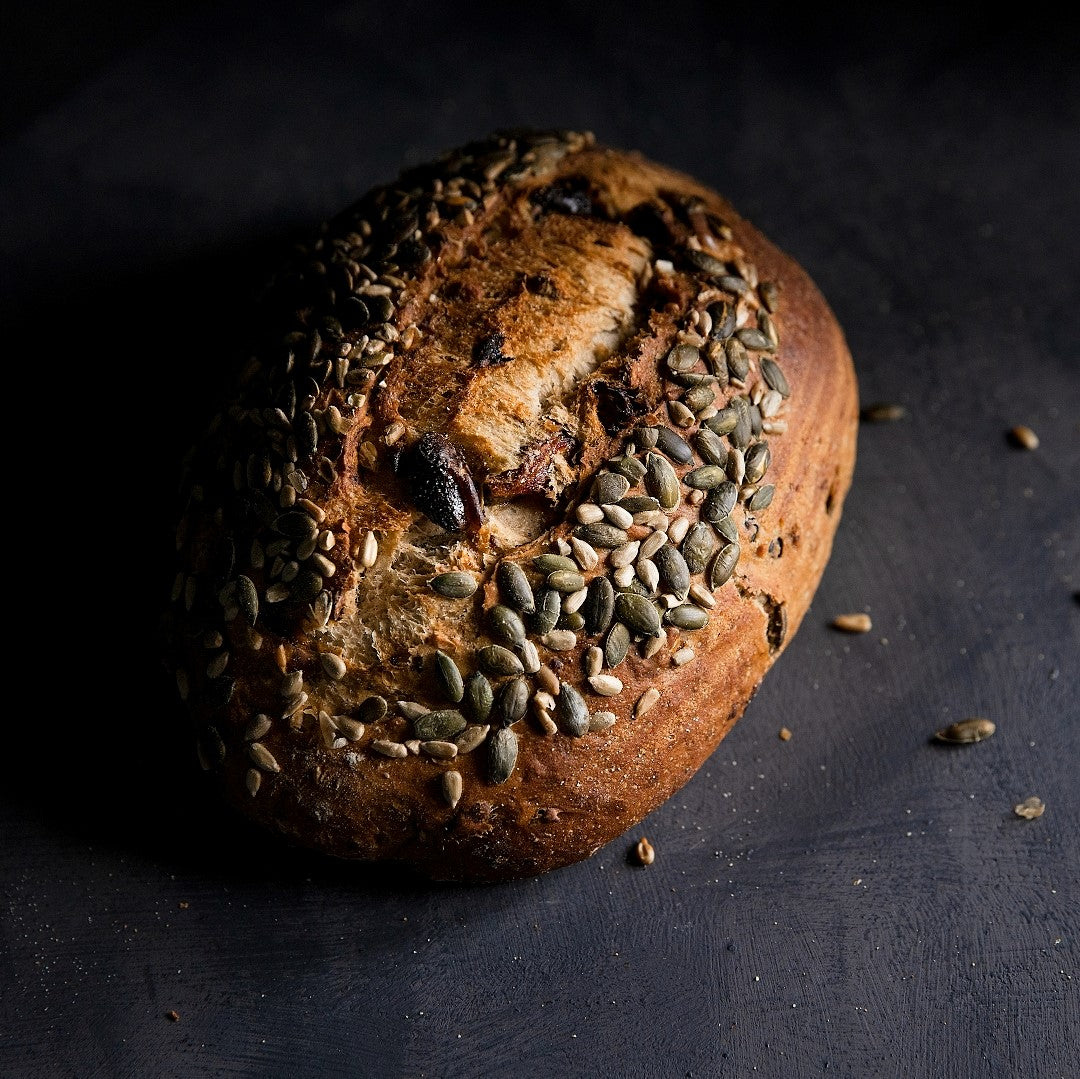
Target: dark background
<point>858,901</point>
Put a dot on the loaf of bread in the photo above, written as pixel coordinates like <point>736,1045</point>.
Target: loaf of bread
<point>531,475</point>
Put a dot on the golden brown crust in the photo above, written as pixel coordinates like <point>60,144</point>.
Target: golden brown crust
<point>453,373</point>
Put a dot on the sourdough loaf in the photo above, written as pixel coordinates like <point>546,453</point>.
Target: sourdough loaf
<point>531,476</point>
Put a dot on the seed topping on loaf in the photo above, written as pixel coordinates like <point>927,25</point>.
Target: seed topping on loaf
<point>578,500</point>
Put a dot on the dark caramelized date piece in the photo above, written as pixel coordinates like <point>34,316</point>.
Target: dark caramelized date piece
<point>438,480</point>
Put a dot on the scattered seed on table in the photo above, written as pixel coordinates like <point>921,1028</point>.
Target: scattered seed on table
<point>853,623</point>
<point>1030,808</point>
<point>644,853</point>
<point>973,729</point>
<point>1024,437</point>
<point>784,734</point>
<point>883,412</point>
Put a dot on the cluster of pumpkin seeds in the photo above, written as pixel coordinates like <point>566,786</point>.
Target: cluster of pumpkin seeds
<point>656,536</point>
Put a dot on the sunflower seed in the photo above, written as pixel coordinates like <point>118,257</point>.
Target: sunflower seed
<point>680,414</point>
<point>651,544</point>
<point>530,658</point>
<point>471,737</point>
<point>439,750</point>
<point>560,640</point>
<point>682,656</point>
<point>253,780</point>
<point>451,785</point>
<point>624,555</point>
<point>1024,437</point>
<point>352,729</point>
<point>646,701</point>
<point>588,513</point>
<point>701,595</point>
<point>607,685</point>
<point>584,553</point>
<point>618,516</point>
<point>593,660</point>
<point>602,721</point>
<point>651,645</point>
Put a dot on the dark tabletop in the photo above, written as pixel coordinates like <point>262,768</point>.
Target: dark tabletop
<point>858,900</point>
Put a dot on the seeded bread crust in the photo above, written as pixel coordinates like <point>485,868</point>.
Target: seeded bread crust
<point>532,476</point>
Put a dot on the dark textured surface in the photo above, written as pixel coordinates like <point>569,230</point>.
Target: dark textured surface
<point>857,901</point>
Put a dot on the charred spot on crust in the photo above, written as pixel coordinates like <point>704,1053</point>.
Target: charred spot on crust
<point>539,284</point>
<point>570,195</point>
<point>655,221</point>
<point>488,350</point>
<point>437,478</point>
<point>616,406</point>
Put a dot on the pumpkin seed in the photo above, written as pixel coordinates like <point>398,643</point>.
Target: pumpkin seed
<point>616,645</point>
<point>514,587</point>
<point>719,502</point>
<point>688,616</point>
<point>673,445</point>
<point>440,725</point>
<point>770,371</point>
<point>753,338</point>
<point>610,487</point>
<point>762,497</point>
<point>661,481</point>
<point>674,572</point>
<point>723,565</point>
<point>453,584</point>
<point>601,534</point>
<point>502,754</point>
<point>571,712</point>
<point>510,703</point>
<point>599,605</point>
<point>548,609</point>
<point>638,613</point>
<point>497,660</point>
<point>449,677</point>
<point>697,546</point>
<point>506,625</point>
<point>705,477</point>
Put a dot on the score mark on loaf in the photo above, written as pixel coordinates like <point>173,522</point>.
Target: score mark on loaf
<point>532,476</point>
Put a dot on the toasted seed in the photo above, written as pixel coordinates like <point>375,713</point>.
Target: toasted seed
<point>497,660</point>
<point>502,754</point>
<point>618,516</point>
<point>723,565</point>
<point>351,728</point>
<point>644,854</point>
<point>701,595</point>
<point>754,338</point>
<point>973,729</point>
<point>680,414</point>
<point>683,656</point>
<point>262,758</point>
<point>652,543</point>
<point>565,581</point>
<point>607,685</point>
<point>757,460</point>
<point>673,445</point>
<point>705,478</point>
<point>724,422</point>
<point>661,481</point>
<point>723,316</point>
<point>550,563</point>
<point>584,553</point>
<point>744,424</point>
<point>770,371</point>
<point>511,700</point>
<point>719,502</point>
<point>439,750</point>
<point>593,660</point>
<point>647,574</point>
<point>769,405</point>
<point>571,712</point>
<point>628,466</point>
<point>883,412</point>
<point>514,588</point>
<point>1024,437</point>
<point>453,584</point>
<point>674,572</point>
<point>257,728</point>
<point>736,466</point>
<point>451,785</point>
<point>651,645</point>
<point>371,710</point>
<point>710,447</point>
<point>548,609</point>
<point>333,665</point>
<point>253,780</point>
<point>624,555</point>
<point>560,640</point>
<point>1030,808</point>
<point>638,504</point>
<point>443,724</point>
<point>638,613</point>
<point>530,657</point>
<point>683,358</point>
<point>588,513</point>
<point>449,676</point>
<point>610,487</point>
<point>727,528</point>
<point>697,546</point>
<point>688,616</point>
<point>599,605</point>
<point>646,701</point>
<point>763,496</point>
<point>624,576</point>
<point>471,737</point>
<point>737,360</point>
<point>616,645</point>
<point>601,534</point>
<point>858,622</point>
<point>602,721</point>
<point>700,397</point>
<point>247,599</point>
<point>506,625</point>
